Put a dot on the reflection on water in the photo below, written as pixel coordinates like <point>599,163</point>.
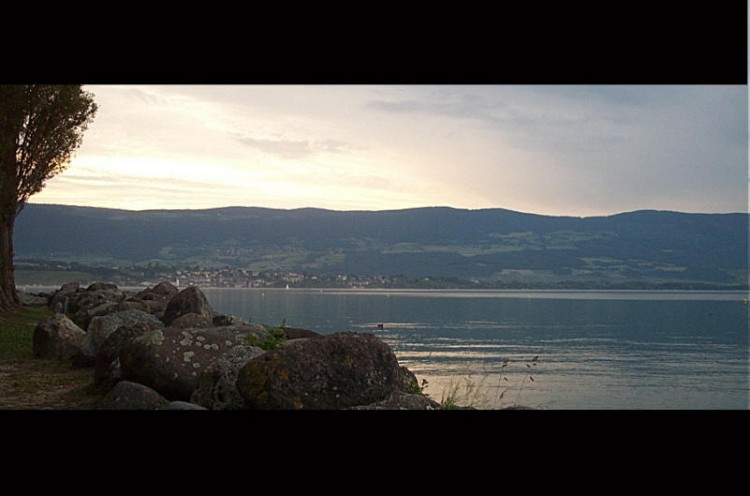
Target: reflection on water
<point>597,350</point>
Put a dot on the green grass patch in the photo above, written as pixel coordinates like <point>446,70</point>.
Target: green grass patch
<point>17,332</point>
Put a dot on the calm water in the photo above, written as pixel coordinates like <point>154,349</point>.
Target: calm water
<point>596,349</point>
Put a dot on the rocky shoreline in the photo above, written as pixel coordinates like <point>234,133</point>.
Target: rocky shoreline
<point>162,348</point>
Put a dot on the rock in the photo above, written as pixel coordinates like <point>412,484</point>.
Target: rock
<point>171,360</point>
<point>59,301</point>
<point>101,286</point>
<point>126,395</point>
<point>101,327</point>
<point>407,381</point>
<point>88,304</point>
<point>220,320</point>
<point>182,405</point>
<point>335,371</point>
<point>132,304</point>
<point>107,364</point>
<point>399,400</point>
<point>292,333</point>
<point>189,300</point>
<point>191,321</point>
<point>164,289</point>
<point>30,300</point>
<point>217,385</point>
<point>57,337</point>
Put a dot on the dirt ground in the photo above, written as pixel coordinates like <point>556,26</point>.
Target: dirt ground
<point>46,385</point>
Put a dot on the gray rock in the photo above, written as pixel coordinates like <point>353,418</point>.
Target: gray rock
<point>59,301</point>
<point>31,300</point>
<point>165,289</point>
<point>336,371</point>
<point>294,333</point>
<point>132,304</point>
<point>101,327</point>
<point>399,400</point>
<point>88,304</point>
<point>182,405</point>
<point>189,300</point>
<point>191,321</point>
<point>126,395</point>
<point>57,337</point>
<point>107,370</point>
<point>101,286</point>
<point>226,320</point>
<point>217,385</point>
<point>171,360</point>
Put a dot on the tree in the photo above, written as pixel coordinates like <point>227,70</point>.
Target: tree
<point>41,126</point>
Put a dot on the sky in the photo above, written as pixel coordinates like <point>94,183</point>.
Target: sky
<point>554,150</point>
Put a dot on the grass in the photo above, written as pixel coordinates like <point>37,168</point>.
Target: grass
<point>17,331</point>
<point>27,382</point>
<point>472,392</point>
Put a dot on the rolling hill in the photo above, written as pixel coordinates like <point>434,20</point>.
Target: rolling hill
<point>486,245</point>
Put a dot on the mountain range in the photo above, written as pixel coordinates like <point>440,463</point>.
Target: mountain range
<point>483,245</point>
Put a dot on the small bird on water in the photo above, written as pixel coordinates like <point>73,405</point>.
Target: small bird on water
<point>380,326</point>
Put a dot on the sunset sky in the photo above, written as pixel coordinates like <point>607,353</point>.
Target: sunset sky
<point>557,150</point>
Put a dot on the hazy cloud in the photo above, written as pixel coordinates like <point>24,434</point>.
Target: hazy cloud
<point>577,150</point>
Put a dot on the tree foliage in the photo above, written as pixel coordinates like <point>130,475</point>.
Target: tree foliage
<point>41,126</point>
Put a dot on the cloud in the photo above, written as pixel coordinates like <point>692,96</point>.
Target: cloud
<point>397,106</point>
<point>289,149</point>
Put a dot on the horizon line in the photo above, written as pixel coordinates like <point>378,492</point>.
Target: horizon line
<point>426,207</point>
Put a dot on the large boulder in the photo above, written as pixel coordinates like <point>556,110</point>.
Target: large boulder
<point>294,333</point>
<point>335,371</point>
<point>128,395</point>
<point>171,360</point>
<point>60,299</point>
<point>89,304</point>
<point>107,369</point>
<point>191,321</point>
<point>101,327</point>
<point>57,337</point>
<point>399,400</point>
<point>163,289</point>
<point>182,405</point>
<point>189,300</point>
<point>217,385</point>
<point>102,286</point>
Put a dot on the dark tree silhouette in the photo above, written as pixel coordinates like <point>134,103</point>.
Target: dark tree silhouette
<point>40,128</point>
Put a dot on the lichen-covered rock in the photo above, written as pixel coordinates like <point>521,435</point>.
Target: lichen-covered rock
<point>171,360</point>
<point>335,371</point>
<point>101,327</point>
<point>191,321</point>
<point>126,395</point>
<point>189,300</point>
<point>217,385</point>
<point>182,405</point>
<point>107,370</point>
<point>399,400</point>
<point>57,337</point>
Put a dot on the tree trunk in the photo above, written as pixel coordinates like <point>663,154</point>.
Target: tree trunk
<point>8,295</point>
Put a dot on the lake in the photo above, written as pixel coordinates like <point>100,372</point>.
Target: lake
<point>595,349</point>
